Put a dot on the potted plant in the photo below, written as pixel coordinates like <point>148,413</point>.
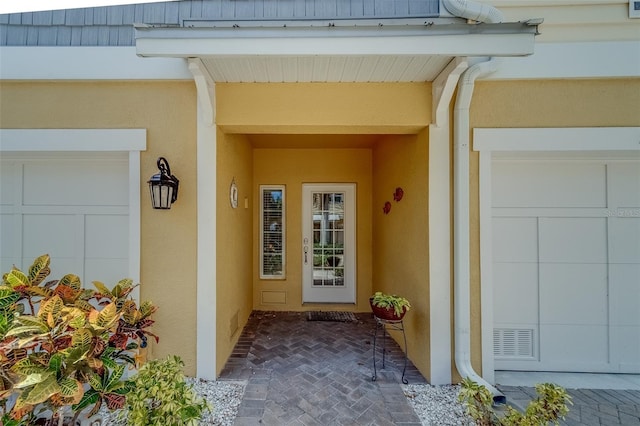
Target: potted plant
<point>389,306</point>
<point>64,348</point>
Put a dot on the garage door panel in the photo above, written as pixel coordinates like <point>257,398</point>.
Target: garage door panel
<point>74,208</point>
<point>579,343</point>
<point>101,183</point>
<point>625,344</point>
<point>548,184</point>
<point>108,271</point>
<point>515,293</point>
<point>106,236</point>
<point>588,266</point>
<point>7,184</point>
<point>7,239</point>
<point>624,235</point>
<point>60,266</point>
<point>52,234</point>
<point>573,294</point>
<point>573,239</point>
<point>515,239</point>
<point>624,294</point>
<point>624,184</point>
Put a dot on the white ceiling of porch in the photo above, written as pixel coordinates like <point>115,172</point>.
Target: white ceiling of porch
<point>287,69</point>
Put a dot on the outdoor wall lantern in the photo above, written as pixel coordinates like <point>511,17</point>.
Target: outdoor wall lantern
<point>163,186</point>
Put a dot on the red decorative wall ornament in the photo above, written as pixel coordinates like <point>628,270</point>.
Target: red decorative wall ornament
<point>387,207</point>
<point>397,196</point>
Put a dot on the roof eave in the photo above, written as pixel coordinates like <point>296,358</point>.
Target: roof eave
<point>502,39</point>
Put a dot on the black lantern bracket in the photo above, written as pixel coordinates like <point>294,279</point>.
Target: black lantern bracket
<point>163,186</point>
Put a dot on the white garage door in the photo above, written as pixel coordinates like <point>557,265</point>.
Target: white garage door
<point>566,264</point>
<point>73,207</point>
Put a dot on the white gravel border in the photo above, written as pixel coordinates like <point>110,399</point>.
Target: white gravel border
<point>437,405</point>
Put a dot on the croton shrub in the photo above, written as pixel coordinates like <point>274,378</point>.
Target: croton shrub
<point>64,347</point>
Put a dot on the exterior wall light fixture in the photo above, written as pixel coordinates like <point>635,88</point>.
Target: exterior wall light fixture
<point>163,186</point>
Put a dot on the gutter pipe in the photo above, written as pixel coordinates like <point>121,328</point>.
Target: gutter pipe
<point>461,140</point>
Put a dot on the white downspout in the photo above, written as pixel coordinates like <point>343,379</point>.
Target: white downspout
<point>461,140</point>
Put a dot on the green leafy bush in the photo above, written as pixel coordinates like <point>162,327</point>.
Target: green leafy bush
<point>160,396</point>
<point>549,407</point>
<point>65,347</point>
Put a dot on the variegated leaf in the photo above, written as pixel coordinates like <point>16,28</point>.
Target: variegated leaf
<point>81,338</point>
<point>78,321</point>
<point>8,297</point>
<point>71,280</point>
<point>122,288</point>
<point>55,363</point>
<point>51,309</point>
<point>32,379</point>
<point>71,388</point>
<point>107,318</point>
<point>83,304</point>
<point>112,381</point>
<point>39,270</point>
<point>43,390</point>
<point>88,398</point>
<point>102,289</point>
<point>95,381</point>
<point>26,367</point>
<point>16,278</point>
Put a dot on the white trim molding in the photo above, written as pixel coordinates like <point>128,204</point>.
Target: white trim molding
<point>600,141</point>
<point>127,141</point>
<point>593,59</point>
<point>558,139</point>
<point>86,63</point>
<point>206,287</point>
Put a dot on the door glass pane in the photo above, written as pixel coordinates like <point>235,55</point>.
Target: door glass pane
<point>328,239</point>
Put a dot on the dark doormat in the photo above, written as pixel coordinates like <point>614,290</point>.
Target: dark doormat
<point>331,316</point>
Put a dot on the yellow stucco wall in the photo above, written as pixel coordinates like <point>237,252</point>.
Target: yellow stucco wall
<point>234,276</point>
<point>168,111</point>
<point>323,108</point>
<point>547,103</point>
<point>292,168</point>
<point>322,139</point>
<point>401,237</point>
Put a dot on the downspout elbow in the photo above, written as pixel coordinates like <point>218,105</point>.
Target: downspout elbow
<point>473,10</point>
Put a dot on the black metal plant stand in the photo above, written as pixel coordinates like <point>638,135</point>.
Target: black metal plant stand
<point>383,324</point>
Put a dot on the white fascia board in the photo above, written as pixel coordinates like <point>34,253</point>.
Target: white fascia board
<point>606,59</point>
<point>87,63</point>
<point>557,139</point>
<point>449,45</point>
<point>69,140</point>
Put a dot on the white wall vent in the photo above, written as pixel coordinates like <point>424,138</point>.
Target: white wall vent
<point>513,343</point>
<point>634,8</point>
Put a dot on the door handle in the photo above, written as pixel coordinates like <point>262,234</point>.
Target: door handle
<point>306,251</point>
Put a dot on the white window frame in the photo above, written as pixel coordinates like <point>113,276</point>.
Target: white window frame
<point>283,252</point>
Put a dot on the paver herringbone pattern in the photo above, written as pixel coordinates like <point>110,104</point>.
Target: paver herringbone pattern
<point>303,372</point>
<point>590,406</point>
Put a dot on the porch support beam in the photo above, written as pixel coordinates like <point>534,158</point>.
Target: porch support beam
<point>206,361</point>
<point>440,222</point>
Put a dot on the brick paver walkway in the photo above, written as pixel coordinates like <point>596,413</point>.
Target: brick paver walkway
<point>301,372</point>
<point>590,406</point>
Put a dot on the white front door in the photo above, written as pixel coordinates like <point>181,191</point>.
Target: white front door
<point>328,243</point>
